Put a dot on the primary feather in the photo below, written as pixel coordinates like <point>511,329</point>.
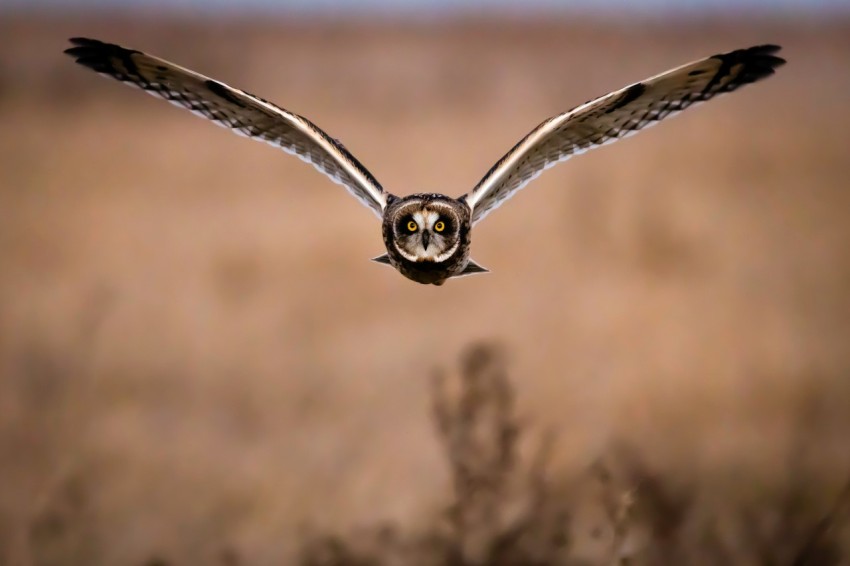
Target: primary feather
<point>615,116</point>
<point>244,113</point>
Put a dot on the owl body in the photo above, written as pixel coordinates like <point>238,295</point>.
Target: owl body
<point>427,236</point>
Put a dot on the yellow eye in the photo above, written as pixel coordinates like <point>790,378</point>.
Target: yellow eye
<point>412,226</point>
<point>440,226</point>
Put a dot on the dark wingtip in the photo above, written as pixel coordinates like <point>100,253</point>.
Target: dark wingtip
<point>765,54</point>
<point>84,41</point>
<point>98,55</point>
<point>759,61</point>
<point>81,45</point>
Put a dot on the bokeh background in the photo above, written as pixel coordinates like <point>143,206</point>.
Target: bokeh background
<point>198,362</point>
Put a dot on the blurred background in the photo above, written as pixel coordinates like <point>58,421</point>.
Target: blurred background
<point>200,365</point>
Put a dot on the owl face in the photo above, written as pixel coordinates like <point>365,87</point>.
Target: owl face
<point>426,229</point>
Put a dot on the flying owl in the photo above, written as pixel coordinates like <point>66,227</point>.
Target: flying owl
<point>428,236</point>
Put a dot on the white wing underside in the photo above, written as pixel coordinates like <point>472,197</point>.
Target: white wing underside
<point>616,116</point>
<point>244,113</point>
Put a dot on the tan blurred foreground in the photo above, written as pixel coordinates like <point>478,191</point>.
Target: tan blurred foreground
<point>199,363</point>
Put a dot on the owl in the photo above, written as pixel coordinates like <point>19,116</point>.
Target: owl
<point>428,236</point>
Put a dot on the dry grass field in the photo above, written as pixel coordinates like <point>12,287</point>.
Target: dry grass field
<point>199,365</point>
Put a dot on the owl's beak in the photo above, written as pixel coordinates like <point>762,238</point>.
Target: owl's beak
<point>426,239</point>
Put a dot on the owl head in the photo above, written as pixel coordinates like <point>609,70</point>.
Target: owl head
<point>427,227</point>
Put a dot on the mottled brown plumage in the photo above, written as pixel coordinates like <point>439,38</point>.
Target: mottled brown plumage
<point>428,236</point>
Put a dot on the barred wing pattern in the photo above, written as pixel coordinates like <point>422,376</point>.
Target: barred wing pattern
<point>617,115</point>
<point>244,113</point>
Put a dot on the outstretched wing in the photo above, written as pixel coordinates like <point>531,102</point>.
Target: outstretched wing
<point>244,113</point>
<point>617,115</point>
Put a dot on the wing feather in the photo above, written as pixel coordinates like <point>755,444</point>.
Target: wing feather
<point>244,113</point>
<point>615,116</point>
